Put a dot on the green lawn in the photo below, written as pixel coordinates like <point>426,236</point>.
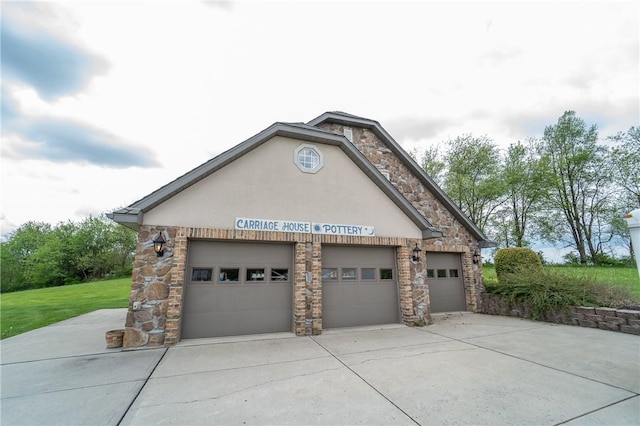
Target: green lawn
<point>26,310</point>
<point>622,277</point>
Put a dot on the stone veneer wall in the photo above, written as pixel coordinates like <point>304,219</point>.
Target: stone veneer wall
<point>623,320</point>
<point>157,282</point>
<point>456,239</point>
<point>150,285</point>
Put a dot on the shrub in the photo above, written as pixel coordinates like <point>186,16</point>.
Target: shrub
<point>545,291</point>
<point>512,259</point>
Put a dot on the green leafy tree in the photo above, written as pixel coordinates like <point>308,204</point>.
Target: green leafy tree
<point>37,255</point>
<point>17,252</point>
<point>473,178</point>
<point>625,158</point>
<point>431,162</point>
<point>525,176</point>
<point>45,267</point>
<point>581,182</point>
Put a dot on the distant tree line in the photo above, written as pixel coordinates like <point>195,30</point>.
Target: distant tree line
<point>40,255</point>
<point>568,187</point>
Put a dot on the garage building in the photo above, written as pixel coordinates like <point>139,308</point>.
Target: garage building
<point>301,228</point>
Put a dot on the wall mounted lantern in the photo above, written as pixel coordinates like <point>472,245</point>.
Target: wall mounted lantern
<point>158,245</point>
<point>416,253</point>
<point>476,256</point>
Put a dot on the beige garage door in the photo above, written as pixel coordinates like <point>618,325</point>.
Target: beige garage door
<point>237,288</point>
<point>359,286</point>
<point>444,278</point>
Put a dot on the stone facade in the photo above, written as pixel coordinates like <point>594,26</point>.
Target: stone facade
<point>157,282</point>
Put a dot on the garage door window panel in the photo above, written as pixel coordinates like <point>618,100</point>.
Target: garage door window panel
<point>201,274</point>
<point>280,274</point>
<point>453,273</point>
<point>255,275</point>
<point>431,273</point>
<point>442,273</point>
<point>229,275</point>
<point>329,274</point>
<point>386,274</point>
<point>349,274</point>
<point>368,274</point>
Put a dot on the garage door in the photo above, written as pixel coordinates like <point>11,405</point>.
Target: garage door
<point>359,286</point>
<point>444,278</point>
<point>237,288</point>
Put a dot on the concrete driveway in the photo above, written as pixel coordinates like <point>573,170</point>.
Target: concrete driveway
<point>464,369</point>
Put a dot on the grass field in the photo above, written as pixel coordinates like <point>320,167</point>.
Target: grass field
<point>27,310</point>
<point>622,277</point>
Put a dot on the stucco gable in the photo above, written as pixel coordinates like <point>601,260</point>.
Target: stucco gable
<point>133,215</point>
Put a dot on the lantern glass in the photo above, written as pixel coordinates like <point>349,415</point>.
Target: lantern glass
<point>158,245</point>
<point>416,253</point>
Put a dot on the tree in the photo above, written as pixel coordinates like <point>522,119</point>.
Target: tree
<point>525,176</point>
<point>17,251</point>
<point>625,159</point>
<point>473,178</point>
<point>580,182</point>
<point>626,164</point>
<point>431,162</point>
<point>38,255</point>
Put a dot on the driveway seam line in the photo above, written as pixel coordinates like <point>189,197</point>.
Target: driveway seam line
<point>538,363</point>
<point>484,335</point>
<point>368,384</point>
<point>26,395</point>
<point>213,398</point>
<point>67,357</point>
<point>596,410</point>
<point>242,367</point>
<point>142,387</point>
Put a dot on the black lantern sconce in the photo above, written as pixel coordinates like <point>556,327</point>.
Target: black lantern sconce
<point>476,256</point>
<point>158,245</point>
<point>416,253</point>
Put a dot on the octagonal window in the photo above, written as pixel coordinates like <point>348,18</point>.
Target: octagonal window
<point>308,158</point>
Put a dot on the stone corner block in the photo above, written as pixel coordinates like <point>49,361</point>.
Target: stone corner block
<point>134,338</point>
<point>157,291</point>
<point>156,339</point>
<point>628,314</point>
<point>605,311</point>
<point>630,329</point>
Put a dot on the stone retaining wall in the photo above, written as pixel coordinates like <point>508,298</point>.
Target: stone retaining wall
<point>622,320</point>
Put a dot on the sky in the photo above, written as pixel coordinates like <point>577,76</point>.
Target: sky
<point>104,102</point>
